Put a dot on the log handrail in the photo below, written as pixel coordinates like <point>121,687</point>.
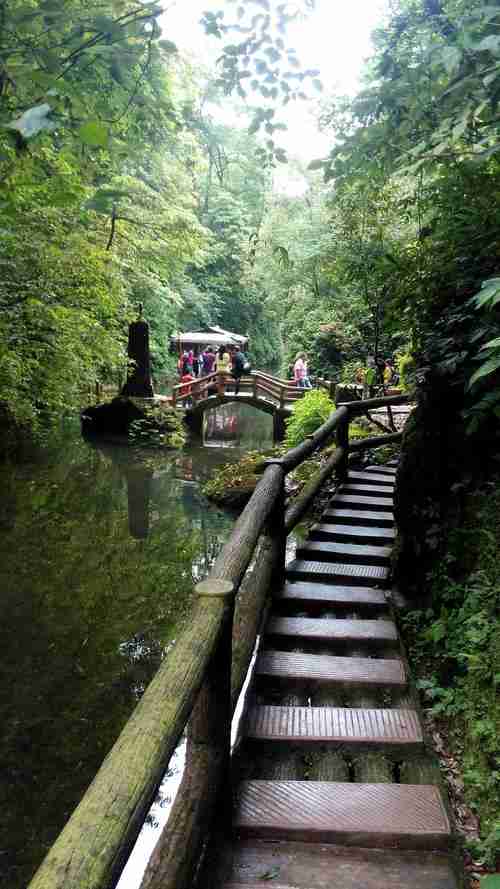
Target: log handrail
<point>200,678</point>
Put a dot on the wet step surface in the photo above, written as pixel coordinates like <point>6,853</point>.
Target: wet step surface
<point>374,518</point>
<point>324,668</point>
<point>336,572</point>
<point>370,815</point>
<point>347,725</point>
<point>288,865</point>
<point>359,501</point>
<point>325,594</point>
<point>333,530</point>
<point>357,553</point>
<point>333,630</point>
<point>371,478</point>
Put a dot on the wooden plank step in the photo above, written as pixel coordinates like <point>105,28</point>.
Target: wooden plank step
<point>372,815</point>
<point>382,470</point>
<point>356,534</point>
<point>371,478</point>
<point>333,630</point>
<point>346,553</point>
<point>359,501</point>
<point>359,517</point>
<point>249,864</point>
<point>320,668</point>
<point>334,572</point>
<point>366,490</point>
<point>346,725</point>
<point>316,593</point>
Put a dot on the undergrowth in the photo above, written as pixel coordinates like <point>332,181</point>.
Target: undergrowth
<point>455,648</point>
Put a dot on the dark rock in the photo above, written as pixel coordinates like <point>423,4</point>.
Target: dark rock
<point>111,418</point>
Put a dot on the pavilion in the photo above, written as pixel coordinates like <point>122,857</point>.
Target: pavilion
<point>214,336</point>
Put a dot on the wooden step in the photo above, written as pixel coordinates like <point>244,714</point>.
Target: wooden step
<point>355,534</point>
<point>375,631</point>
<point>371,478</point>
<point>382,470</point>
<point>372,815</point>
<point>364,575</point>
<point>321,668</point>
<point>250,864</point>
<point>343,725</point>
<point>357,501</point>
<point>366,490</point>
<point>359,517</point>
<point>316,593</point>
<point>346,553</point>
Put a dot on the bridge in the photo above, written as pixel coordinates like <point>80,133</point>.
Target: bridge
<point>259,389</point>
<point>331,781</point>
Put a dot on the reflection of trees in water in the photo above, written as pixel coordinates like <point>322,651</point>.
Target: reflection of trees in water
<point>88,611</point>
<point>238,424</point>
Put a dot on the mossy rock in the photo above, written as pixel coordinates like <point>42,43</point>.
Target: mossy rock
<point>232,485</point>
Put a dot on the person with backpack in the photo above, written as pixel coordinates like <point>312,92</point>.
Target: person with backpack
<point>239,363</point>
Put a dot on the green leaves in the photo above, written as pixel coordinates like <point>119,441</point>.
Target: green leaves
<point>94,133</point>
<point>489,295</point>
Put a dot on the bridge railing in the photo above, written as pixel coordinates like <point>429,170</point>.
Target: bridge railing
<point>258,383</point>
<point>197,685</point>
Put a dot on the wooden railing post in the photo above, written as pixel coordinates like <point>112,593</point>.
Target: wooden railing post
<point>275,531</point>
<point>342,439</point>
<point>254,391</point>
<point>204,789</point>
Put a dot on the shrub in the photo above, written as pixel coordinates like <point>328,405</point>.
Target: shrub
<point>308,415</point>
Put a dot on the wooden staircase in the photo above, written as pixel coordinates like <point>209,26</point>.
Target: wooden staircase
<point>334,784</point>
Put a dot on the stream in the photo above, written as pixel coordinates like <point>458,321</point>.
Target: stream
<point>100,546</point>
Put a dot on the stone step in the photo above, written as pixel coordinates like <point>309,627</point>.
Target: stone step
<point>346,553</point>
<point>322,594</point>
<point>366,490</point>
<point>373,815</point>
<point>376,631</point>
<point>370,478</point>
<point>325,668</point>
<point>249,864</point>
<point>356,534</point>
<point>362,575</point>
<point>359,517</point>
<point>342,725</point>
<point>357,501</point>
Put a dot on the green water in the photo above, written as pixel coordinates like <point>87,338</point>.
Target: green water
<point>100,546</point>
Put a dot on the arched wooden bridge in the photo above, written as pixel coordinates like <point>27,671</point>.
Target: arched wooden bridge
<point>260,390</point>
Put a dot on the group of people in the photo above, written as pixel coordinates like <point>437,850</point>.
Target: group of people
<point>377,373</point>
<point>227,360</point>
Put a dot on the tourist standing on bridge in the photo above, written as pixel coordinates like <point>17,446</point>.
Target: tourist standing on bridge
<point>238,362</point>
<point>300,373</point>
<point>223,361</point>
<point>196,363</point>
<point>207,361</point>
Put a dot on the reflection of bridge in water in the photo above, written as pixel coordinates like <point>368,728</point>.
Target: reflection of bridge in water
<point>258,389</point>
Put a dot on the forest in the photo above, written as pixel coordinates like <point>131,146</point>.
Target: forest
<point>121,185</point>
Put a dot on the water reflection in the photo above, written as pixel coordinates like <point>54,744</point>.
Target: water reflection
<point>237,425</point>
<point>100,546</point>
